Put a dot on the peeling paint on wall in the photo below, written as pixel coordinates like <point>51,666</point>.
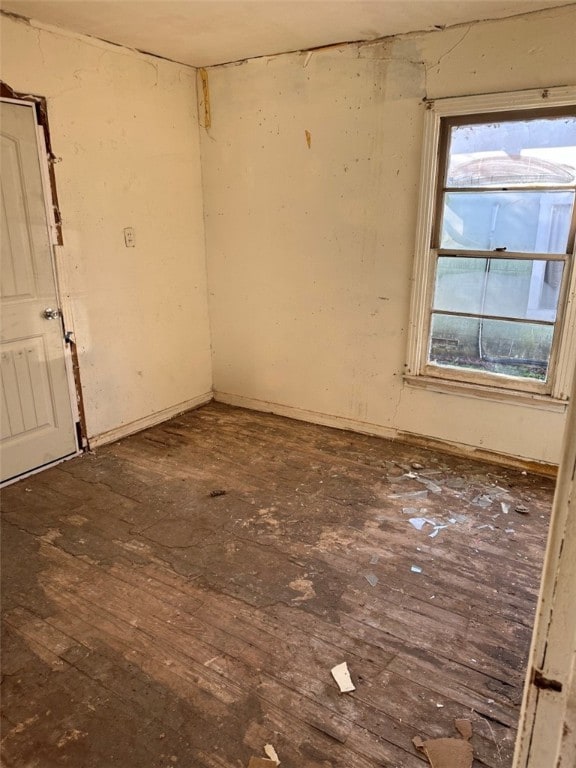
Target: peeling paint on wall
<point>205,98</point>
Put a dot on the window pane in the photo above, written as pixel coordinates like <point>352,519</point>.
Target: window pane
<point>529,222</point>
<point>496,346</point>
<point>518,152</point>
<point>506,287</point>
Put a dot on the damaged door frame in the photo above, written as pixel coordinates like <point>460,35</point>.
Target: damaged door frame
<point>47,160</point>
<point>547,727</point>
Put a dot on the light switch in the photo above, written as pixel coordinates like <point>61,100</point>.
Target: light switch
<point>129,237</point>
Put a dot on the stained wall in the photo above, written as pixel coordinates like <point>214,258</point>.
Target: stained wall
<point>311,182</point>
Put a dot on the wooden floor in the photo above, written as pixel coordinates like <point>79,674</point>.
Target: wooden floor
<point>150,624</point>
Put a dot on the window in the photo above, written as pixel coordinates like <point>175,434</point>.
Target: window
<point>494,279</point>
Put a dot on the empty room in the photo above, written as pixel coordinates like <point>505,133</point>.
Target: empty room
<point>288,440</point>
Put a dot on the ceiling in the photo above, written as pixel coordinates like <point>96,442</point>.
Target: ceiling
<point>206,32</point>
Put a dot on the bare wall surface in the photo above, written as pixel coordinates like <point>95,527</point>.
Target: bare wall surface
<point>124,129</point>
<point>311,171</point>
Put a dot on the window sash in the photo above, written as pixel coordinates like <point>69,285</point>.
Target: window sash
<point>443,128</point>
<point>487,378</point>
<point>495,256</point>
<point>514,188</point>
<point>484,316</point>
<point>499,254</point>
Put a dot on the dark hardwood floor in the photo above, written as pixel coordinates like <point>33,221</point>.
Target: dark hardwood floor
<point>147,623</point>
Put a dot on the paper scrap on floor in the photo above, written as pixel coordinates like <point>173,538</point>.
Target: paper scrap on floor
<point>341,674</point>
<point>271,753</point>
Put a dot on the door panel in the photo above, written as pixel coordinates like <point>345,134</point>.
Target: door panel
<point>17,275</point>
<point>37,423</point>
<point>26,387</point>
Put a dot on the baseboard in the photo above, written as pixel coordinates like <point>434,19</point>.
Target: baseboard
<point>148,421</point>
<point>479,454</point>
<point>301,414</point>
<point>377,430</point>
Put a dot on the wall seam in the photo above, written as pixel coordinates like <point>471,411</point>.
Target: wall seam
<point>201,127</point>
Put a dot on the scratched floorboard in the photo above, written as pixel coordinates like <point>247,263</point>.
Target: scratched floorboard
<point>147,624</point>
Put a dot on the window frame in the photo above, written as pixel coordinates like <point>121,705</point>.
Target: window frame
<point>470,109</point>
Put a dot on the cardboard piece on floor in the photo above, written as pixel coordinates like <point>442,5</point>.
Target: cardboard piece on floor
<point>261,762</point>
<point>341,674</point>
<point>464,728</point>
<point>449,753</point>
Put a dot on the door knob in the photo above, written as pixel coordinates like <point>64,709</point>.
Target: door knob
<point>51,314</point>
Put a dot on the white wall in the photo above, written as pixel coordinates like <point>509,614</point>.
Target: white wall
<point>310,250</point>
<point>124,126</point>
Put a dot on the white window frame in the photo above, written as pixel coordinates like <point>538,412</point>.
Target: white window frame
<point>418,371</point>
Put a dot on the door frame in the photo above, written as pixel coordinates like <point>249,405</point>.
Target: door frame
<point>547,726</point>
<point>47,159</point>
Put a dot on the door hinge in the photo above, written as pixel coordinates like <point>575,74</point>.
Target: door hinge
<point>543,683</point>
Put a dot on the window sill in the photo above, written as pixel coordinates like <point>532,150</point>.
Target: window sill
<point>497,394</point>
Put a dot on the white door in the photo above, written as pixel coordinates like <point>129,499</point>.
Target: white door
<point>36,422</point>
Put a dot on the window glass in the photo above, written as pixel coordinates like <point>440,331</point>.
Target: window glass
<point>530,152</point>
<point>496,346</point>
<point>529,222</point>
<point>514,288</point>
